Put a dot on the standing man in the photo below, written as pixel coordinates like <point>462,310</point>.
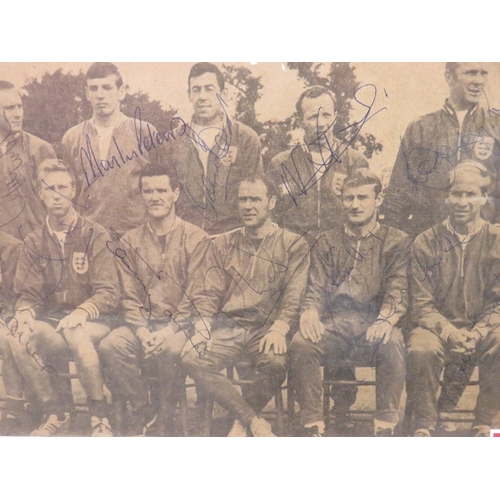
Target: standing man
<point>20,154</point>
<point>67,288</point>
<point>156,265</point>
<point>455,304</point>
<point>252,285</point>
<point>356,297</point>
<point>310,175</point>
<point>432,147</point>
<point>211,155</point>
<point>108,152</point>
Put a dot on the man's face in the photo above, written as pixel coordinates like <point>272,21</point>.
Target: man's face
<point>254,205</point>
<point>203,91</point>
<point>360,204</point>
<point>104,95</point>
<point>11,107</point>
<point>158,196</point>
<point>57,192</point>
<point>318,117</point>
<point>465,198</point>
<point>467,82</point>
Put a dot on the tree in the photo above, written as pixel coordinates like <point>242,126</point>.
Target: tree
<point>57,102</point>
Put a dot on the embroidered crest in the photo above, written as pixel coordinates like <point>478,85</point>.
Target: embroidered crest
<point>230,157</point>
<point>80,262</point>
<point>483,149</point>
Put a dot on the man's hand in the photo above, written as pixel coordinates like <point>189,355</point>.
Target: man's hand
<point>380,330</point>
<point>199,341</point>
<point>156,342</point>
<point>77,318</point>
<point>273,339</point>
<point>462,341</point>
<point>311,327</point>
<point>24,321</point>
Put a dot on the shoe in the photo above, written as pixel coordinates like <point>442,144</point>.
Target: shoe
<point>237,430</point>
<point>310,432</point>
<point>480,431</point>
<point>100,427</point>
<point>261,428</point>
<point>422,433</point>
<point>52,426</point>
<point>155,427</point>
<point>380,432</point>
<point>342,420</point>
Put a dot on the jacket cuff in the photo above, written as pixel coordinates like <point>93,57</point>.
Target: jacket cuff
<point>91,309</point>
<point>446,332</point>
<point>280,327</point>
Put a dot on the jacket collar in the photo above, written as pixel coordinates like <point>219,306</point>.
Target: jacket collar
<point>449,110</point>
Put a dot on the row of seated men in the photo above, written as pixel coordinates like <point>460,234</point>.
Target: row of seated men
<point>194,305</point>
<point>310,178</point>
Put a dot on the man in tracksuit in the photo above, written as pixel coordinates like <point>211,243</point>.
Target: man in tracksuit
<point>108,151</point>
<point>67,287</point>
<point>431,148</point>
<point>211,154</point>
<point>20,155</point>
<point>156,265</point>
<point>13,417</point>
<point>455,304</point>
<point>250,292</point>
<point>356,296</point>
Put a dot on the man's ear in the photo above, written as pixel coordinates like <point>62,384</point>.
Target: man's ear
<point>272,202</point>
<point>87,93</point>
<point>484,198</point>
<point>379,199</point>
<point>177,192</point>
<point>122,92</point>
<point>449,77</point>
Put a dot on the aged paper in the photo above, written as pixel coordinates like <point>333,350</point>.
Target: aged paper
<point>163,222</point>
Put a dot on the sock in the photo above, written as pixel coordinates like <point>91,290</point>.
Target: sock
<point>319,424</point>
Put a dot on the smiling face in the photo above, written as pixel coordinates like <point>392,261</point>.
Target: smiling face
<point>254,204</point>
<point>11,108</point>
<point>466,83</point>
<point>466,197</point>
<point>57,192</point>
<point>158,196</point>
<point>203,92</point>
<point>104,95</point>
<point>360,204</point>
<point>318,115</point>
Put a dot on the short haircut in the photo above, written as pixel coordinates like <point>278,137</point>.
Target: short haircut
<point>267,180</point>
<point>363,177</point>
<point>473,167</point>
<point>53,165</point>
<point>204,67</point>
<point>102,70</point>
<point>153,169</point>
<point>5,85</point>
<point>313,93</point>
<point>451,67</point>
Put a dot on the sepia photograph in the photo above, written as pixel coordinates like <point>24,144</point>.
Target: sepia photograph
<point>212,249</point>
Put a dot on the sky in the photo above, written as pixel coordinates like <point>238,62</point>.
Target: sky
<point>405,91</point>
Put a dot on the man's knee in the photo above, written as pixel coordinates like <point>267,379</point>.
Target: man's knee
<point>424,343</point>
<point>300,347</point>
<point>120,342</point>
<point>395,346</point>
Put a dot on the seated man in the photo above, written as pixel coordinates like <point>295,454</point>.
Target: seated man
<point>13,417</point>
<point>155,264</point>
<point>250,291</point>
<point>67,287</point>
<point>355,297</point>
<point>455,303</point>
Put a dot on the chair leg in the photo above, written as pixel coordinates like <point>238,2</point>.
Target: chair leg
<point>280,422</point>
<point>183,412</point>
<point>206,420</point>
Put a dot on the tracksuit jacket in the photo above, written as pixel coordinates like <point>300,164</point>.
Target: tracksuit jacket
<point>154,279</point>
<point>209,199</point>
<point>353,281</point>
<point>10,249</point>
<point>430,149</point>
<point>307,206</point>
<point>21,208</point>
<point>54,279</point>
<point>109,180</point>
<point>255,288</point>
<point>454,279</point>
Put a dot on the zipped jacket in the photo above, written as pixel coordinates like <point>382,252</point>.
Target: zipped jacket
<point>10,249</point>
